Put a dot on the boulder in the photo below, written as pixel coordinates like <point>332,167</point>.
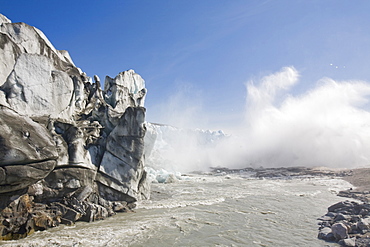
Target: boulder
<point>341,217</point>
<point>363,225</point>
<point>43,221</point>
<point>350,242</point>
<point>340,231</point>
<point>326,234</point>
<point>345,207</point>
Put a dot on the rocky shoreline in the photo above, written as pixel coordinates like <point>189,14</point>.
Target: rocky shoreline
<point>283,172</point>
<point>347,222</point>
<point>24,215</point>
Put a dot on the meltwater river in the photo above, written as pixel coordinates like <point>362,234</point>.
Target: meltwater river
<point>210,211</point>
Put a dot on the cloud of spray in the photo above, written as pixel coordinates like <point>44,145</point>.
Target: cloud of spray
<point>326,126</point>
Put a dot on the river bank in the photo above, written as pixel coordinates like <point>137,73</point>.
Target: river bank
<point>346,222</point>
<point>210,210</point>
<point>260,207</point>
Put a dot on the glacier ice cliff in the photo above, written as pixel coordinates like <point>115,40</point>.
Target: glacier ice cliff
<point>69,150</point>
<point>181,150</point>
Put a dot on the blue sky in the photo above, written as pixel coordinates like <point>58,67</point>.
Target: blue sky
<point>197,55</point>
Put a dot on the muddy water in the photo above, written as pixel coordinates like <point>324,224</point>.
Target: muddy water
<point>210,211</point>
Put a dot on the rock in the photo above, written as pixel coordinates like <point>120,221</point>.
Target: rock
<point>120,207</point>
<point>67,213</point>
<point>341,217</point>
<point>363,225</point>
<point>89,215</point>
<point>326,234</point>
<point>344,207</point>
<point>355,218</point>
<point>331,214</point>
<point>326,218</point>
<point>364,212</point>
<point>66,222</point>
<point>363,242</point>
<point>350,226</point>
<point>96,212</point>
<point>340,231</point>
<point>348,242</point>
<point>43,221</point>
<point>16,220</point>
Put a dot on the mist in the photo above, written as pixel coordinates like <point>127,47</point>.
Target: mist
<point>328,125</point>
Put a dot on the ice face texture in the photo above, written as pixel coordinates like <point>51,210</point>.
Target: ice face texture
<point>66,143</point>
